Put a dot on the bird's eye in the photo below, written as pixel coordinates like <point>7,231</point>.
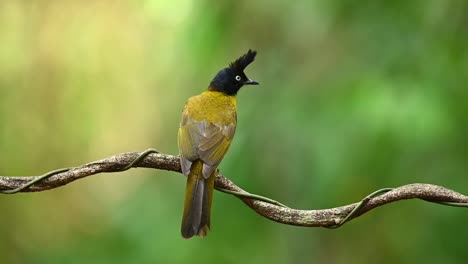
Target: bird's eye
<point>238,78</point>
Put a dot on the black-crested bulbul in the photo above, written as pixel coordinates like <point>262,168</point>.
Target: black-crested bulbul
<point>206,131</point>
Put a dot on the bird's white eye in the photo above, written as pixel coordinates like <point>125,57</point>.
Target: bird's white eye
<point>238,78</point>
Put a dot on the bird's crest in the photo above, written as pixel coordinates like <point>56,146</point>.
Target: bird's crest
<point>241,63</point>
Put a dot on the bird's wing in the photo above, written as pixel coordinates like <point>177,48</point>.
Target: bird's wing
<point>204,140</point>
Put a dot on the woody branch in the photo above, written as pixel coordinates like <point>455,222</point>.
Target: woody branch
<point>312,218</point>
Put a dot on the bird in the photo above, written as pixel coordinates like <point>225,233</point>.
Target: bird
<point>205,134</point>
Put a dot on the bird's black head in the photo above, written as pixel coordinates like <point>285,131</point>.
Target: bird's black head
<point>229,80</point>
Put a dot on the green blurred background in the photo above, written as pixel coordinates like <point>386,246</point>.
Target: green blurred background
<point>354,96</point>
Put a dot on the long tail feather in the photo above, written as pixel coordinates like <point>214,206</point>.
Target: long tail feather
<point>198,200</point>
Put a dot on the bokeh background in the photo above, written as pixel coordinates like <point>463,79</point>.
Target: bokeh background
<point>354,96</point>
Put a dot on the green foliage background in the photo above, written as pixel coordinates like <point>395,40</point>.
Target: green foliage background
<point>354,96</point>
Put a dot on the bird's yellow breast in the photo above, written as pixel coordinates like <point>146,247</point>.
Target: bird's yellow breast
<point>212,106</point>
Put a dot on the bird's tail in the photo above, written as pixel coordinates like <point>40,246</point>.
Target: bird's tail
<point>197,205</point>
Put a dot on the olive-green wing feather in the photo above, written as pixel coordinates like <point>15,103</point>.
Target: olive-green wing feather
<point>205,141</point>
<point>214,144</point>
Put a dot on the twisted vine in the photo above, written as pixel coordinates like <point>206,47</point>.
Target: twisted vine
<point>266,207</point>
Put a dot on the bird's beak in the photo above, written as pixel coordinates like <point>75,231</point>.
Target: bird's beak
<point>250,82</point>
